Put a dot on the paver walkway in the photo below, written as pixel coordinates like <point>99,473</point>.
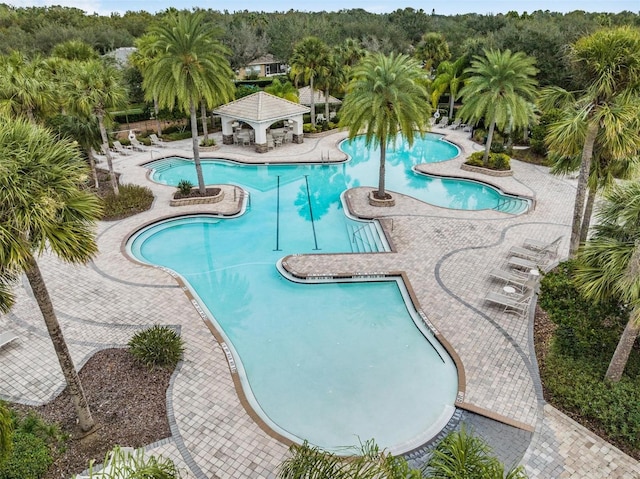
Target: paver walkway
<point>445,254</point>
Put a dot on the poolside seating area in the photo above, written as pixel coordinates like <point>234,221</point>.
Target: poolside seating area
<point>120,148</point>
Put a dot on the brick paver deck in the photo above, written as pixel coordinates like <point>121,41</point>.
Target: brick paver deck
<point>445,255</point>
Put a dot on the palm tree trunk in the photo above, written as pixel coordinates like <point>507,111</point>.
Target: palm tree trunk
<point>487,147</point>
<point>624,347</point>
<point>451,102</point>
<point>205,130</point>
<point>326,105</point>
<point>92,163</point>
<point>156,109</point>
<point>583,177</point>
<point>588,212</point>
<point>383,157</point>
<point>105,147</point>
<point>313,103</point>
<point>196,149</point>
<point>85,420</point>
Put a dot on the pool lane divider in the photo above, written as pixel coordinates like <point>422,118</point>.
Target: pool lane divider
<point>313,225</point>
<point>278,216</point>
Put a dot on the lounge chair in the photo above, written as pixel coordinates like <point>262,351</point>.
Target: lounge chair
<point>519,280</point>
<point>543,246</point>
<point>456,124</point>
<point>512,304</point>
<point>120,149</point>
<point>527,264</point>
<point>136,145</point>
<point>7,337</point>
<point>444,121</point>
<point>155,141</point>
<point>527,254</point>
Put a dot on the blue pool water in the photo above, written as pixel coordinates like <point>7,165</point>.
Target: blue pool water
<point>333,363</point>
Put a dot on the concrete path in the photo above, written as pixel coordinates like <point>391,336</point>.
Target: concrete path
<point>445,255</point>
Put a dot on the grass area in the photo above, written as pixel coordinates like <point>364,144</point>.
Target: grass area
<point>576,358</point>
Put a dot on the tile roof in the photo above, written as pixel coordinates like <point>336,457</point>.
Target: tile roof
<point>261,106</point>
<point>305,96</point>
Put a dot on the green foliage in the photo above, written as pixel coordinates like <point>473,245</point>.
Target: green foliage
<point>132,199</point>
<point>6,432</point>
<point>157,346</point>
<point>539,131</point>
<point>246,90</point>
<point>461,455</point>
<point>497,161</point>
<point>30,458</point>
<point>135,465</point>
<point>584,328</point>
<point>184,186</point>
<point>309,128</point>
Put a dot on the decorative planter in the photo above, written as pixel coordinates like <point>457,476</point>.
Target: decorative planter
<point>197,200</point>
<point>485,171</point>
<point>373,201</point>
<point>204,149</point>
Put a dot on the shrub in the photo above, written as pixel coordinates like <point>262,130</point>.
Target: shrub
<point>497,161</point>
<point>132,199</point>
<point>6,432</point>
<point>176,135</point>
<point>309,128</point>
<point>209,142</point>
<point>157,346</point>
<point>135,466</point>
<point>30,458</point>
<point>184,187</point>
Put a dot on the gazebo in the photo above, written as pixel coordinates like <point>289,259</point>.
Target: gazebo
<point>261,110</point>
<point>318,98</point>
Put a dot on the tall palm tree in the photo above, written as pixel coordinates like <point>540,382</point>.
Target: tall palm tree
<point>432,49</point>
<point>333,79</point>
<point>608,61</point>
<point>39,179</point>
<point>498,91</point>
<point>91,89</point>
<point>449,78</point>
<point>387,96</point>
<point>26,87</point>
<point>310,60</point>
<point>142,59</point>
<point>191,67</point>
<point>609,264</point>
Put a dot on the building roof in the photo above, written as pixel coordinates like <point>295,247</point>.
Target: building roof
<point>264,60</point>
<point>305,97</point>
<point>260,107</point>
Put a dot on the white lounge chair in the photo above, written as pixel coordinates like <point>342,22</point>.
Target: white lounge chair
<point>519,280</point>
<point>7,337</point>
<point>155,141</point>
<point>527,265</point>
<point>543,246</point>
<point>120,149</point>
<point>511,304</point>
<point>526,253</point>
<point>136,145</point>
<point>456,124</point>
<point>444,121</point>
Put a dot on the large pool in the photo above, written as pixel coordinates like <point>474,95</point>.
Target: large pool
<point>333,363</point>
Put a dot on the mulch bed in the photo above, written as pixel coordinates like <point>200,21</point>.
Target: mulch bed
<point>128,404</point>
<point>195,193</point>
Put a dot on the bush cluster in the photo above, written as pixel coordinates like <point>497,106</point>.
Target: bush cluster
<point>497,161</point>
<point>132,199</point>
<point>184,187</point>
<point>157,346</point>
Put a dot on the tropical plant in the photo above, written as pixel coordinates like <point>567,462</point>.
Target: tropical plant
<point>461,455</point>
<point>91,89</point>
<point>498,92</point>
<point>6,432</point>
<point>368,462</point>
<point>39,180</point>
<point>310,60</point>
<point>157,346</point>
<point>609,264</point>
<point>333,80</point>
<point>134,465</point>
<point>142,59</point>
<point>431,50</point>
<point>190,67</point>
<point>449,77</point>
<point>608,63</point>
<point>184,186</point>
<point>131,200</point>
<point>284,90</point>
<point>74,50</point>
<point>386,97</point>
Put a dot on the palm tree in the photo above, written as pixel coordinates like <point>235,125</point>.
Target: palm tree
<point>74,50</point>
<point>368,462</point>
<point>333,80</point>
<point>40,178</point>
<point>142,59</point>
<point>432,49</point>
<point>91,89</point>
<point>191,67</point>
<point>387,96</point>
<point>609,264</point>
<point>26,87</point>
<point>449,77</point>
<point>310,60</point>
<point>498,91</point>
<point>609,62</point>
<point>283,90</point>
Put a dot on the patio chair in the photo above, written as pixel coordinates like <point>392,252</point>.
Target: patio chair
<point>136,145</point>
<point>527,264</point>
<point>456,124</point>
<point>7,337</point>
<point>120,149</point>
<point>444,121</point>
<point>270,143</point>
<point>512,304</point>
<point>543,246</point>
<point>527,253</point>
<point>519,280</point>
<point>155,141</point>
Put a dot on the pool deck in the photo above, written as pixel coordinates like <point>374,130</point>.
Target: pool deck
<point>445,255</point>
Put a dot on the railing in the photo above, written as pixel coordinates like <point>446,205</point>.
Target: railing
<point>365,241</point>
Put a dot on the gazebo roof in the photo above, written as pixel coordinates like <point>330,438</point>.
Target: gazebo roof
<point>261,107</point>
<point>305,97</point>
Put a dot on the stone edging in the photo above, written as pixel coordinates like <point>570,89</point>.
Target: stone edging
<point>486,171</point>
<point>198,200</point>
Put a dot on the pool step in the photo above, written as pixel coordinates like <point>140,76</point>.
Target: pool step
<point>364,238</point>
<point>513,206</point>
<point>160,166</point>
